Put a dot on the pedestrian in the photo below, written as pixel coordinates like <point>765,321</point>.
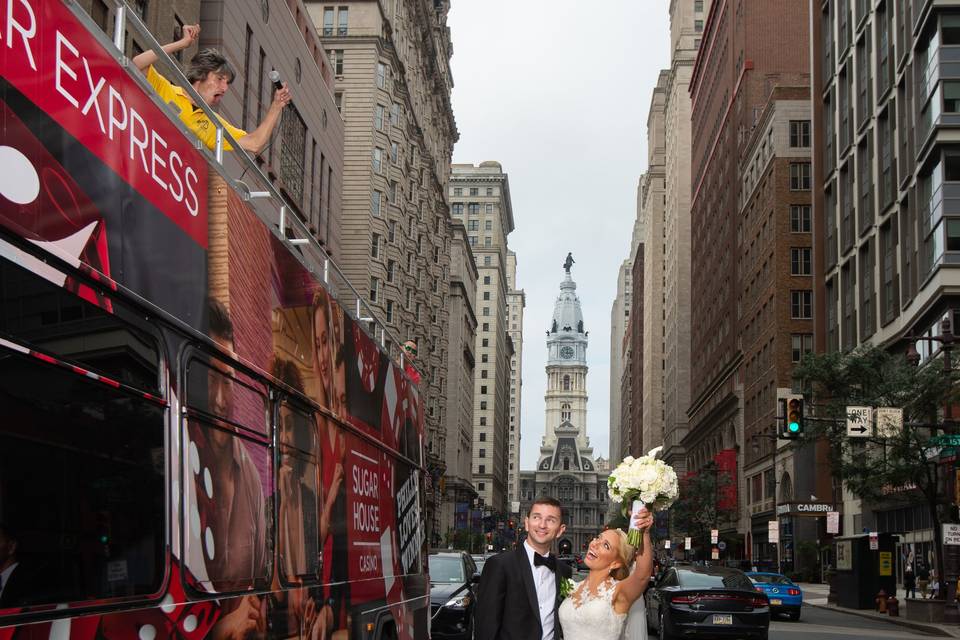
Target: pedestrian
<point>909,582</point>
<point>934,585</point>
<point>923,580</point>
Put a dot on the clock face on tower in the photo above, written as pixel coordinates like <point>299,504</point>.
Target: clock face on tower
<point>566,352</point>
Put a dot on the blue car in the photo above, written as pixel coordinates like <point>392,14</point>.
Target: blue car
<point>785,596</point>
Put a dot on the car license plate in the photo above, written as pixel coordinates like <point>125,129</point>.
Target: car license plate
<point>723,618</point>
<point>776,601</point>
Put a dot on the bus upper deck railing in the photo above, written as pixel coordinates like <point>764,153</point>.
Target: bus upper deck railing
<point>265,199</point>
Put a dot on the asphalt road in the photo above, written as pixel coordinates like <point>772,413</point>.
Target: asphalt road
<point>832,625</point>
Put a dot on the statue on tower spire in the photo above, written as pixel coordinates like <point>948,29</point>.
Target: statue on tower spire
<point>568,262</point>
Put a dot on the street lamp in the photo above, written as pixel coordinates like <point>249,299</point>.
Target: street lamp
<point>755,445</point>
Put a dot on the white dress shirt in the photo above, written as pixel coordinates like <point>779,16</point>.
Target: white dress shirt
<point>546,583</point>
<point>5,575</point>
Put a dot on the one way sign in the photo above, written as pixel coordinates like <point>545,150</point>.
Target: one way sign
<point>859,422</point>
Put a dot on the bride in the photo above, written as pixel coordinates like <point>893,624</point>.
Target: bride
<point>598,606</point>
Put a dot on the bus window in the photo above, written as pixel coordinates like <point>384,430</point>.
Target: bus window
<point>39,313</point>
<point>81,484</point>
<point>230,477</point>
<point>298,534</point>
<point>218,390</point>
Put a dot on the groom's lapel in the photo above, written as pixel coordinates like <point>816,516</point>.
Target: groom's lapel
<point>561,574</point>
<point>527,573</point>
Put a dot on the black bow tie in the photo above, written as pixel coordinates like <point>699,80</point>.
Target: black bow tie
<point>550,562</point>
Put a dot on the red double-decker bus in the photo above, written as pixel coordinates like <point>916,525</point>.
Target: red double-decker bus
<point>197,439</point>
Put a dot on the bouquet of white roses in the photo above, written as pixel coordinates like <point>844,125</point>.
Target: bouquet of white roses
<point>645,479</point>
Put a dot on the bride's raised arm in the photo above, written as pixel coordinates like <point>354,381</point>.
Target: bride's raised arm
<point>633,586</point>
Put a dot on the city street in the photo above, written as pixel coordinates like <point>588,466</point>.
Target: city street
<point>826,625</point>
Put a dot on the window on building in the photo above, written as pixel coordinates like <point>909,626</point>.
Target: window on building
<point>486,327</point>
<point>375,245</point>
<point>374,289</point>
<point>336,61</point>
<point>483,373</point>
<point>328,21</point>
<point>483,405</point>
<point>378,112</point>
<point>486,311</point>
<point>391,270</point>
<point>488,225</point>
<point>376,203</point>
<point>486,279</point>
<point>394,152</point>
<point>698,6</point>
<point>378,160</point>
<point>800,218</point>
<point>342,13</point>
<point>487,260</point>
<point>473,225</point>
<point>293,153</point>
<point>800,345</point>
<point>457,191</point>
<point>801,305</point>
<point>474,191</point>
<point>381,75</point>
<point>457,208</point>
<point>392,231</point>
<point>800,261</point>
<point>472,240</point>
<point>473,208</point>
<point>485,342</point>
<point>698,26</point>
<point>566,383</point>
<point>799,133</point>
<point>800,176</point>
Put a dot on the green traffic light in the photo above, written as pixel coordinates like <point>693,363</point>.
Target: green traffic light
<point>794,427</point>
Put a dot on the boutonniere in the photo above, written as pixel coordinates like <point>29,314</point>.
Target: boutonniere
<point>566,587</point>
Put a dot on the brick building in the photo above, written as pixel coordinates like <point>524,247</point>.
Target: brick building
<point>747,49</point>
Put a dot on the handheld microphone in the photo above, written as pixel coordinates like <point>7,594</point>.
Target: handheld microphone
<point>274,76</point>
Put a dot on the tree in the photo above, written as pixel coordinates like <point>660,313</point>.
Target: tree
<point>881,467</point>
<point>700,506</point>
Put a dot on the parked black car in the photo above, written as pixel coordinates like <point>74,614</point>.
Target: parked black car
<point>692,601</point>
<point>453,579</point>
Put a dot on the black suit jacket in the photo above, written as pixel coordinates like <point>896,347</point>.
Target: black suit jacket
<point>18,591</point>
<point>507,606</point>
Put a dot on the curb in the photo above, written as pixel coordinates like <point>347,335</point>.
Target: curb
<point>910,624</point>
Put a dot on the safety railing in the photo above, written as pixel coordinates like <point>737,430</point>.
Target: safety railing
<point>267,202</point>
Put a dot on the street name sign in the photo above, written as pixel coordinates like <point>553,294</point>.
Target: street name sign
<point>688,543</point>
<point>714,536</point>
<point>889,422</point>
<point>859,422</point>
<point>946,440</point>
<point>874,541</point>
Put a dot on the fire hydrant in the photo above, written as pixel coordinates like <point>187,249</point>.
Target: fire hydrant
<point>893,607</point>
<point>881,601</point>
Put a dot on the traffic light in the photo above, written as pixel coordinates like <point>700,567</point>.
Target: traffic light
<point>792,419</point>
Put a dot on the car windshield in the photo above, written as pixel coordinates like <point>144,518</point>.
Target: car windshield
<point>771,579</point>
<point>698,580</point>
<point>446,569</point>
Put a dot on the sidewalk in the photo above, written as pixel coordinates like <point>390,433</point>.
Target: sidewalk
<point>815,595</point>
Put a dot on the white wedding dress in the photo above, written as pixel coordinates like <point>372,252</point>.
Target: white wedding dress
<point>585,616</point>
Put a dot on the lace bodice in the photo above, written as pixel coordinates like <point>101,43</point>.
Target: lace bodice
<point>585,616</point>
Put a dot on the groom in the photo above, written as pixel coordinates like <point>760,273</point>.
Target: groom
<point>519,590</point>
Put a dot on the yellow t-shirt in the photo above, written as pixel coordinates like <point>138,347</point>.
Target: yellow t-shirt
<point>195,119</point>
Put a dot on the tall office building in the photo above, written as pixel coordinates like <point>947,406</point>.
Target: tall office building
<point>392,86</point>
<point>459,492</point>
<point>620,312</point>
<point>886,167</point>
<point>687,18</point>
<point>516,302</point>
<point>480,198</point>
<point>741,297</point>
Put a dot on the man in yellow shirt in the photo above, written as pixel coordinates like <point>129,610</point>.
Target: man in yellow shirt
<point>210,74</point>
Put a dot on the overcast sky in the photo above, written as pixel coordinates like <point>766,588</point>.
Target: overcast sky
<point>558,92</point>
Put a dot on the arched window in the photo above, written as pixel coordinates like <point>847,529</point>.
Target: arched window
<point>565,412</point>
<point>566,383</point>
